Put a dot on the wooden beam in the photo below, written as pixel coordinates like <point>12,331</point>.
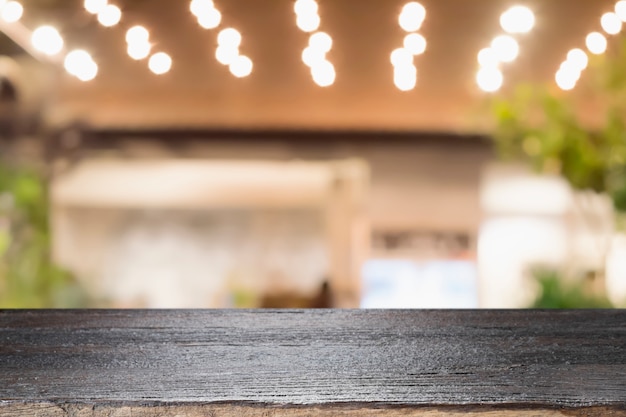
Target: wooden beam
<point>312,363</point>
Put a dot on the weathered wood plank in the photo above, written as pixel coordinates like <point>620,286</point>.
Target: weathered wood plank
<point>312,363</point>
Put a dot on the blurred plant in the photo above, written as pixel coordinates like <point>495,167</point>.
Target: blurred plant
<point>28,277</point>
<point>556,292</point>
<point>536,124</point>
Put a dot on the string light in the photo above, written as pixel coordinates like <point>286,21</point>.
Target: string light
<point>47,40</point>
<point>503,49</point>
<point>160,63</point>
<point>596,43</point>
<point>241,66</point>
<point>95,6</point>
<point>415,43</point>
<point>110,15</point>
<point>80,64</point>
<point>412,16</point>
<point>320,43</point>
<point>411,19</point>
<point>517,20</point>
<point>611,23</point>
<point>12,12</point>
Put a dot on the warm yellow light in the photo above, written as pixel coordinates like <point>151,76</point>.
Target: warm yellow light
<point>620,10</point>
<point>308,22</point>
<point>210,19</point>
<point>578,59</point>
<point>488,58</point>
<point>110,15</point>
<point>200,7</point>
<point>321,41</point>
<point>415,43</point>
<point>412,16</point>
<point>518,19</point>
<point>567,76</point>
<point>596,43</point>
<point>12,12</point>
<point>305,7</point>
<point>241,66</point>
<point>138,50</point>
<point>47,40</point>
<point>323,74</point>
<point>95,6</point>
<point>137,34</point>
<point>226,55</point>
<point>405,77</point>
<point>401,57</point>
<point>505,48</point>
<point>160,63</point>
<point>611,23</point>
<point>312,56</point>
<point>80,64</point>
<point>230,38</point>
<point>489,79</point>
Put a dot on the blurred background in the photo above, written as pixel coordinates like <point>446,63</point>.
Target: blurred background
<point>281,153</point>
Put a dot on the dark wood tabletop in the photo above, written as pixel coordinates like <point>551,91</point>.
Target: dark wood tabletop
<point>312,362</point>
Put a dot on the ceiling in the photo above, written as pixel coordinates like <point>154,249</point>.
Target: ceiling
<point>200,93</point>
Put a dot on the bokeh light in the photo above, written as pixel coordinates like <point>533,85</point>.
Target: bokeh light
<point>596,43</point>
<point>489,79</point>
<point>110,15</point>
<point>323,74</point>
<point>308,22</point>
<point>229,37</point>
<point>578,58</point>
<point>46,39</point>
<point>321,41</point>
<point>415,43</point>
<point>160,63</point>
<point>12,12</point>
<point>405,77</point>
<point>412,16</point>
<point>401,57</point>
<point>505,48</point>
<point>241,66</point>
<point>488,58</point>
<point>95,6</point>
<point>611,23</point>
<point>517,19</point>
<point>226,55</point>
<point>80,64</point>
<point>139,50</point>
<point>210,19</point>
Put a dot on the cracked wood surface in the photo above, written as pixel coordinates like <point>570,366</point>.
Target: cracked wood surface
<point>344,363</point>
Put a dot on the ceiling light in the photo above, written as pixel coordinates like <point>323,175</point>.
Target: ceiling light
<point>210,19</point>
<point>308,22</point>
<point>518,19</point>
<point>578,58</point>
<point>596,43</point>
<point>80,64</point>
<point>405,77</point>
<point>611,23</point>
<point>305,7</point>
<point>47,40</point>
<point>110,15</point>
<point>312,56</point>
<point>401,57</point>
<point>415,43</point>
<point>95,6</point>
<point>505,48</point>
<point>200,7</point>
<point>229,37</point>
<point>137,34</point>
<point>488,58</point>
<point>323,74</point>
<point>412,16</point>
<point>241,66</point>
<point>138,50</point>
<point>620,10</point>
<point>489,79</point>
<point>321,41</point>
<point>160,63</point>
<point>226,55</point>
<point>12,12</point>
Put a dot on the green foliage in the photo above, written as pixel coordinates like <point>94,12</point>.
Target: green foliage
<point>556,294</point>
<point>28,278</point>
<point>537,124</point>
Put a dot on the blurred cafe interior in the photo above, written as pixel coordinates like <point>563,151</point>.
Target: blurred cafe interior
<point>312,153</point>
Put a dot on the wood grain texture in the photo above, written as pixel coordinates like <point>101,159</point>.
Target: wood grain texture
<point>309,363</point>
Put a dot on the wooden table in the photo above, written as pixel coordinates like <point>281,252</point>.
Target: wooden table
<point>312,363</point>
